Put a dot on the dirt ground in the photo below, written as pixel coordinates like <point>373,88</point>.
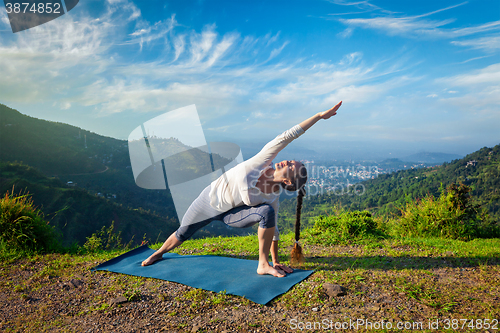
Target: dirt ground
<point>56,293</point>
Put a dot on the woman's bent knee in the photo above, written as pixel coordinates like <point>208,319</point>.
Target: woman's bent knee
<point>268,216</point>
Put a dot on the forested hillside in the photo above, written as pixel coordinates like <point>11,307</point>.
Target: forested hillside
<point>85,178</point>
<point>56,148</point>
<point>76,214</point>
<point>99,169</point>
<point>388,192</point>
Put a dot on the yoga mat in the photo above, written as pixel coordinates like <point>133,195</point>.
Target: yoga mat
<point>235,276</point>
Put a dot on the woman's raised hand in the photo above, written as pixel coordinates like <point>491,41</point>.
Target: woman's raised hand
<point>332,112</point>
<point>306,124</point>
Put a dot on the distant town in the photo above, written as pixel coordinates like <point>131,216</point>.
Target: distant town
<point>342,177</point>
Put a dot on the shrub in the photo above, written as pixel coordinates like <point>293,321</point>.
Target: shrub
<point>342,228</point>
<point>451,215</point>
<point>22,227</point>
<point>105,239</point>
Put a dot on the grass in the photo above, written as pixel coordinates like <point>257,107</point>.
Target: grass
<point>387,277</point>
<point>355,266</point>
<point>420,277</point>
<point>23,230</point>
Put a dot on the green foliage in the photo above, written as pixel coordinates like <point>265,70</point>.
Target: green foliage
<point>451,215</point>
<point>76,214</point>
<point>105,239</point>
<point>479,170</point>
<point>22,227</point>
<point>342,228</point>
<point>132,295</point>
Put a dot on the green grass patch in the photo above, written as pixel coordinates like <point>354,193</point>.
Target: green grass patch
<point>344,227</point>
<point>23,229</point>
<point>452,215</point>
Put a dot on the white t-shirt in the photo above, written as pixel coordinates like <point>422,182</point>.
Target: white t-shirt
<point>236,187</point>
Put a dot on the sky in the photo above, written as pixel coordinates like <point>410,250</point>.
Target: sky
<point>413,75</point>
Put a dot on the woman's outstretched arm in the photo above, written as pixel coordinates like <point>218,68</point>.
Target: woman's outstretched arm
<point>306,124</point>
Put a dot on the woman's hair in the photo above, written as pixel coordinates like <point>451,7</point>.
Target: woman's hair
<point>296,257</point>
<point>298,180</point>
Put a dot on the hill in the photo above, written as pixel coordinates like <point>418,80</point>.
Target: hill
<point>383,195</point>
<point>56,148</point>
<point>86,178</point>
<point>75,213</point>
<point>426,157</point>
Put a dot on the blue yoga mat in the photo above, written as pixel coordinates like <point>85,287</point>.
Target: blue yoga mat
<point>235,276</point>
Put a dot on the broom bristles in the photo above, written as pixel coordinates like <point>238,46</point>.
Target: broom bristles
<point>297,257</point>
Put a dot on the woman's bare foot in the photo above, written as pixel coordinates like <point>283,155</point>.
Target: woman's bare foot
<point>152,259</point>
<point>263,270</point>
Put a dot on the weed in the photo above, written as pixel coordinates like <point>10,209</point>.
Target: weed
<point>105,239</point>
<point>220,298</point>
<point>452,215</point>
<point>102,307</point>
<point>133,294</point>
<point>447,307</point>
<point>19,288</point>
<point>22,227</point>
<point>343,228</point>
<point>197,297</point>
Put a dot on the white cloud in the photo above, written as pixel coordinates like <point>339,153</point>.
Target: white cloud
<point>75,61</point>
<point>124,6</point>
<point>351,58</point>
<point>5,21</point>
<point>125,95</point>
<point>271,39</point>
<point>179,45</point>
<point>146,33</point>
<point>95,63</point>
<point>489,75</point>
<point>364,6</point>
<point>221,48</point>
<point>479,91</point>
<point>202,43</point>
<point>398,25</point>
<point>40,63</point>
<point>418,26</point>
<point>277,51</point>
<point>346,33</point>
<point>491,43</point>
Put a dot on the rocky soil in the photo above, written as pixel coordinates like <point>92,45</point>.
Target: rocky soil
<point>59,293</point>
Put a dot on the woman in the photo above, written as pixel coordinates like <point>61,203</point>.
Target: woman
<point>249,194</point>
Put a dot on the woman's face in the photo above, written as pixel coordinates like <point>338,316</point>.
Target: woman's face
<point>286,170</point>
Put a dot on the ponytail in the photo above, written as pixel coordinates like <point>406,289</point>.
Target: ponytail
<point>296,257</point>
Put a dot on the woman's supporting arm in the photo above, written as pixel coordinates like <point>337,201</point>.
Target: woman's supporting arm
<point>306,124</point>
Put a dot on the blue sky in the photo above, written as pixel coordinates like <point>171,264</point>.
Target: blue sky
<point>413,75</point>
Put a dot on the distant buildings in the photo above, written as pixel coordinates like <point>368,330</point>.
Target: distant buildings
<point>471,163</point>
